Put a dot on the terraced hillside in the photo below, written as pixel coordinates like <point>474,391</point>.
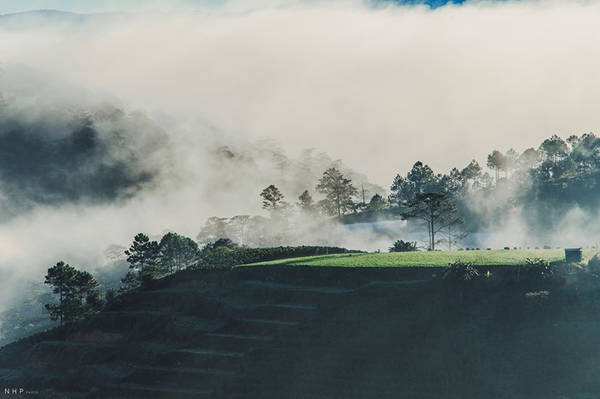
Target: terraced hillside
<point>317,333</point>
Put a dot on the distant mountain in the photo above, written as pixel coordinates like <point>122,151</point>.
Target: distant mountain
<point>49,15</point>
<point>41,18</point>
<point>430,3</point>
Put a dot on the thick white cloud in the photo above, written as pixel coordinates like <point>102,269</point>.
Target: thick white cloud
<point>379,88</point>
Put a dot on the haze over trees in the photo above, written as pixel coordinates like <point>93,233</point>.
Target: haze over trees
<point>305,202</point>
<point>338,191</point>
<point>436,209</point>
<point>541,184</point>
<point>177,252</point>
<point>272,199</point>
<point>77,291</point>
<point>143,257</point>
<point>497,162</point>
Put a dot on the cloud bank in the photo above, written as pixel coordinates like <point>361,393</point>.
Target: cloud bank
<point>442,85</point>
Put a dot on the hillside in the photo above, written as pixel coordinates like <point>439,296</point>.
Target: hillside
<point>258,332</point>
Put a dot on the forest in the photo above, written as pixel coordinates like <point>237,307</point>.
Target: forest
<point>542,185</point>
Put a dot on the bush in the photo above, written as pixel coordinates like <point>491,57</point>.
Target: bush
<point>594,264</point>
<point>404,246</point>
<point>536,269</point>
<point>225,257</point>
<point>460,272</point>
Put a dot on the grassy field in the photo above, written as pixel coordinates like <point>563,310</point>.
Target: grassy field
<point>427,259</point>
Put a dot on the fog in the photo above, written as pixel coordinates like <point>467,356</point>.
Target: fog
<point>216,103</point>
<point>348,79</point>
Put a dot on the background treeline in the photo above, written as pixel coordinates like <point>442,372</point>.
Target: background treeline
<point>149,260</point>
<point>542,184</point>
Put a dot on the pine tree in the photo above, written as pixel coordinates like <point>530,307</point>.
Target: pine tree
<point>143,257</point>
<point>305,202</point>
<point>338,190</point>
<point>272,199</point>
<point>77,290</point>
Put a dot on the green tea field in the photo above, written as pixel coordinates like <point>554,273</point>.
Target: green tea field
<point>426,259</point>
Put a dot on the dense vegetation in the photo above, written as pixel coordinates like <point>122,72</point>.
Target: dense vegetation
<point>541,185</point>
<point>77,292</point>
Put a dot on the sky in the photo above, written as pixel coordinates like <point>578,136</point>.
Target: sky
<point>92,6</point>
<point>88,6</point>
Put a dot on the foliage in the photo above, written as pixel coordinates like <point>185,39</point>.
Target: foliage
<point>223,243</point>
<point>177,252</point>
<point>245,229</point>
<point>377,203</point>
<point>547,182</point>
<point>403,246</point>
<point>213,229</point>
<point>460,272</point>
<point>77,291</point>
<point>272,199</point>
<point>338,190</point>
<point>143,257</point>
<point>594,264</point>
<point>420,179</point>
<point>471,172</point>
<point>536,269</point>
<point>305,202</point>
<point>225,256</point>
<point>554,148</point>
<point>436,209</point>
<point>497,162</point>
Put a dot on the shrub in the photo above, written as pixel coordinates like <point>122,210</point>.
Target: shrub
<point>537,269</point>
<point>404,246</point>
<point>460,272</point>
<point>225,257</point>
<point>594,264</point>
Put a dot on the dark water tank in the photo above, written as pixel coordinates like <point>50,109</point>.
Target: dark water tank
<point>573,255</point>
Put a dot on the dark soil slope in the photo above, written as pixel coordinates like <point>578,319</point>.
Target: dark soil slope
<point>325,333</point>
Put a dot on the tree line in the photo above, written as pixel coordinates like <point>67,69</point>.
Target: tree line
<point>78,293</point>
<point>545,182</point>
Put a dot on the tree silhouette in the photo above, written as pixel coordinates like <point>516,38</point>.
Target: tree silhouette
<point>554,148</point>
<point>436,209</point>
<point>305,202</point>
<point>177,252</point>
<point>338,191</point>
<point>272,199</point>
<point>419,179</point>
<point>143,257</point>
<point>377,203</point>
<point>497,162</point>
<point>77,291</point>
